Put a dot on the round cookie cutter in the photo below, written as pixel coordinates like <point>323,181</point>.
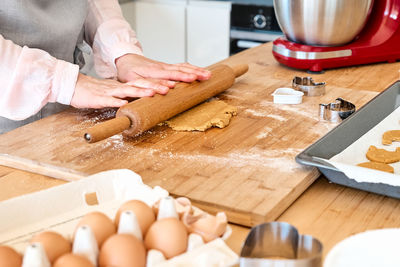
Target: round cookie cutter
<point>279,244</point>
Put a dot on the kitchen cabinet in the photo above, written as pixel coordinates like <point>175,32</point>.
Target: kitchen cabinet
<point>208,26</point>
<point>160,28</point>
<point>177,31</point>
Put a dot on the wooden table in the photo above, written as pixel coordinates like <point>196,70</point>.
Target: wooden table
<point>327,211</point>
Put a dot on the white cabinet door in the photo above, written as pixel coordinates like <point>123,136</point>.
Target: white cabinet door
<point>208,25</point>
<point>160,28</point>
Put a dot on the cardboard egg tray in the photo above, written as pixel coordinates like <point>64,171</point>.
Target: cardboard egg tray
<point>60,208</point>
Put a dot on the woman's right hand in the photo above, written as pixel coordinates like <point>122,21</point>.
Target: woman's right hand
<point>98,93</point>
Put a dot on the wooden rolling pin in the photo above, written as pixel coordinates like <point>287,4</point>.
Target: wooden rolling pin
<point>145,113</point>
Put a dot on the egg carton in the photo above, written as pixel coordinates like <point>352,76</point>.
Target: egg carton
<point>60,208</point>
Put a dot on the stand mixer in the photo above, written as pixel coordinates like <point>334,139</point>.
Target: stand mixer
<point>324,34</point>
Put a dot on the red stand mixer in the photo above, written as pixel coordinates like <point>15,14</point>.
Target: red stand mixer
<point>377,38</point>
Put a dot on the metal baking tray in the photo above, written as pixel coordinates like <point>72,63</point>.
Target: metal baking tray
<point>347,132</point>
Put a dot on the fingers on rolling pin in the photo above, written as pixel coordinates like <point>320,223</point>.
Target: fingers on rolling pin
<point>147,112</point>
<point>107,129</point>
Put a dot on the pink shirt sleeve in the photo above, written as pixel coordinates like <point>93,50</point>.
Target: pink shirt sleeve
<point>30,78</point>
<point>110,36</point>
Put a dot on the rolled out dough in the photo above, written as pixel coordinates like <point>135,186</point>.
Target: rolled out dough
<point>209,114</point>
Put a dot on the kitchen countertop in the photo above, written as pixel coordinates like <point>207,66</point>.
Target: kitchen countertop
<point>327,211</point>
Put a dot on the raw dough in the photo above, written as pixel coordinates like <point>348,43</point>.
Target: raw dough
<point>377,166</point>
<point>382,155</point>
<point>390,136</point>
<point>214,113</point>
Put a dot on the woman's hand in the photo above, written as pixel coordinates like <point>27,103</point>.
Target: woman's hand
<point>96,93</point>
<point>131,67</point>
<point>138,77</point>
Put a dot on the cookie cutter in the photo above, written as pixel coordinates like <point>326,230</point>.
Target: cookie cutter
<point>336,111</point>
<point>279,244</point>
<point>285,95</point>
<point>308,86</point>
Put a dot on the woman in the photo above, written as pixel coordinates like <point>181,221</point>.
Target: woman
<point>41,43</point>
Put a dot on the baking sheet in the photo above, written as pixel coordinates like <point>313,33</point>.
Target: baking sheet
<point>354,154</point>
<point>337,153</point>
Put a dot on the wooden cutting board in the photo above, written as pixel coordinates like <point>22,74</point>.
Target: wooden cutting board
<point>246,169</point>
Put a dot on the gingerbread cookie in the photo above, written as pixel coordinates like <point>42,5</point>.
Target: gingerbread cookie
<point>377,166</point>
<point>381,155</point>
<point>390,136</point>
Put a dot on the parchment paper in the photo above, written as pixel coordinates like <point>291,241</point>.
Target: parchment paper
<point>347,160</point>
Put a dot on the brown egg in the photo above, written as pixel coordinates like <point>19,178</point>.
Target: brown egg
<point>53,244</point>
<point>122,250</point>
<point>143,212</point>
<point>101,226</point>
<point>72,260</point>
<point>9,257</point>
<point>167,235</point>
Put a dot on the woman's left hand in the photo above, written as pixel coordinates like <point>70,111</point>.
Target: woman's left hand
<point>131,67</point>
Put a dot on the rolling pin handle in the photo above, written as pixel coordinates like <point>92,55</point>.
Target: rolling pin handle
<point>240,69</point>
<point>106,129</point>
<point>87,137</point>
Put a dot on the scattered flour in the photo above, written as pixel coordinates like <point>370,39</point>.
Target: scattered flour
<point>96,115</point>
<point>257,113</point>
<point>264,132</point>
<point>116,142</point>
<point>277,117</point>
<point>304,111</point>
<point>282,159</point>
<point>264,114</point>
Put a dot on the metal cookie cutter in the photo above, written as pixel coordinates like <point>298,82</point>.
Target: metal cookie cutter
<point>278,244</point>
<point>336,111</point>
<point>308,86</point>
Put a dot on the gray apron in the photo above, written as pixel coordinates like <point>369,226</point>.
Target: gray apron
<point>55,26</point>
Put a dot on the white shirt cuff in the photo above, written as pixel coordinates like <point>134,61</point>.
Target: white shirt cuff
<point>121,49</point>
<point>64,82</point>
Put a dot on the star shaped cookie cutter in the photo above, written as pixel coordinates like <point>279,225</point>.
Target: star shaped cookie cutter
<point>336,111</point>
<point>277,244</point>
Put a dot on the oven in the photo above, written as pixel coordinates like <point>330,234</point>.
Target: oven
<point>252,23</point>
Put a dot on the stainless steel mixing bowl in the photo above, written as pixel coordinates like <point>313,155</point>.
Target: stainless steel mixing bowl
<point>322,22</point>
